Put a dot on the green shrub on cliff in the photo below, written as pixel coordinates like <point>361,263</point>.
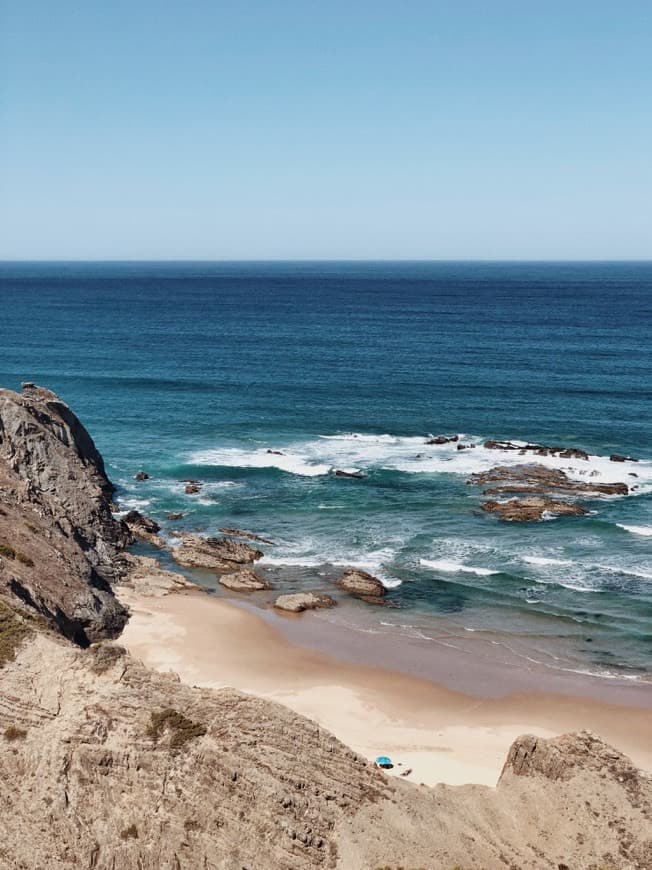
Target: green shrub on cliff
<point>13,631</point>
<point>10,553</point>
<point>181,728</point>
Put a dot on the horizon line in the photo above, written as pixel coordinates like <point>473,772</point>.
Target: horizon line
<point>4,261</point>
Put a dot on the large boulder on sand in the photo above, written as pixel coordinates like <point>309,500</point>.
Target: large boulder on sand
<point>244,580</point>
<point>359,582</point>
<point>215,554</point>
<point>300,601</point>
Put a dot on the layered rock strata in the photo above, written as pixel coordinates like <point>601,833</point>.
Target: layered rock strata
<point>60,547</point>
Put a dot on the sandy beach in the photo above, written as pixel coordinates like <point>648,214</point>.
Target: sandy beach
<point>442,735</point>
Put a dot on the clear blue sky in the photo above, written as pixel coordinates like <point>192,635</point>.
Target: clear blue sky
<point>362,129</point>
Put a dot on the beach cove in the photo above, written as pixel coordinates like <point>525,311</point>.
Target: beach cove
<point>441,734</point>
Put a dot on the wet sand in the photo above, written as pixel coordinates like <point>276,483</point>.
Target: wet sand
<point>441,733</point>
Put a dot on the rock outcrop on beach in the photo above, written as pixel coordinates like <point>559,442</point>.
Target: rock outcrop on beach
<point>547,491</point>
<point>299,601</point>
<point>60,547</point>
<point>214,554</point>
<point>362,584</point>
<point>244,580</point>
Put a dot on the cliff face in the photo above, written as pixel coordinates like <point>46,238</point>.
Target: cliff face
<point>59,544</point>
<point>105,764</point>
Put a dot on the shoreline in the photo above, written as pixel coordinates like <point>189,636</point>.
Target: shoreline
<point>441,733</point>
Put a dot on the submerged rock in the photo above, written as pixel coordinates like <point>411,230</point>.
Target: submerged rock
<point>241,533</point>
<point>141,475</point>
<point>300,601</point>
<point>244,580</point>
<point>355,475</point>
<point>443,439</point>
<point>360,583</point>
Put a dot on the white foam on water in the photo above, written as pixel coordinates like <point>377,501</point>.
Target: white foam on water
<point>135,504</point>
<point>413,455</point>
<point>545,560</point>
<point>233,457</point>
<point>316,555</point>
<point>450,567</point>
<point>646,531</point>
<point>628,572</point>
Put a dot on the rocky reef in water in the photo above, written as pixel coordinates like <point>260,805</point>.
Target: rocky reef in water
<point>105,764</point>
<point>534,490</point>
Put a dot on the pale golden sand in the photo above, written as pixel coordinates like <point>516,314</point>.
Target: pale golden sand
<point>443,735</point>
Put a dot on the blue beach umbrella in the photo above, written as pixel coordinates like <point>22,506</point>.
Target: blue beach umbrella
<point>384,761</point>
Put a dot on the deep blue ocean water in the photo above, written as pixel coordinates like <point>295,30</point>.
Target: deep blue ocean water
<point>196,370</point>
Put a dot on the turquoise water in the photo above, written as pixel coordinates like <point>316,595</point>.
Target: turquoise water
<point>197,370</point>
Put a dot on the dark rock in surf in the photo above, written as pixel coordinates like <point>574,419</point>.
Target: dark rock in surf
<point>144,528</point>
<point>443,439</point>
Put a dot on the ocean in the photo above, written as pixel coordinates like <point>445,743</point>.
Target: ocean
<point>199,370</point>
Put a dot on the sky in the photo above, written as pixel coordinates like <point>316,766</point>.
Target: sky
<point>162,129</point>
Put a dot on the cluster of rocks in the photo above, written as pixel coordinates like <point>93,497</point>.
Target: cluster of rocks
<point>538,449</point>
<point>443,439</point>
<point>233,561</point>
<point>450,439</point>
<point>538,492</point>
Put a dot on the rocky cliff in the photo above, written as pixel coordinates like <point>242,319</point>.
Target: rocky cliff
<point>105,764</point>
<point>59,543</point>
